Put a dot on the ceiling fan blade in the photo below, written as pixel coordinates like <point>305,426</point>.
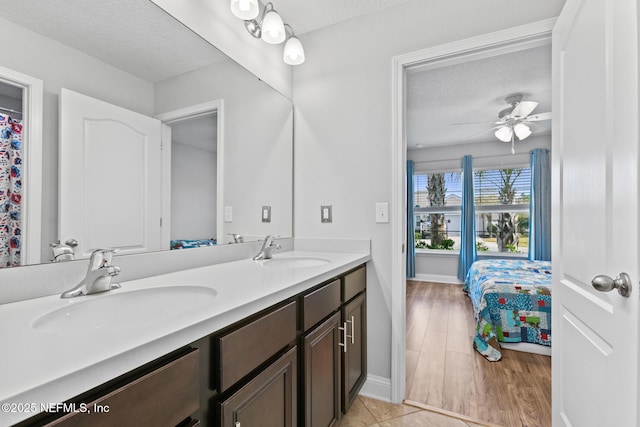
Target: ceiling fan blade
<point>523,109</point>
<point>539,117</point>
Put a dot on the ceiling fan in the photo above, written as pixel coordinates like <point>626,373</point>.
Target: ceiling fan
<point>516,121</point>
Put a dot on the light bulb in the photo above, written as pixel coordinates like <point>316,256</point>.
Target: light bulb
<point>273,28</point>
<point>504,134</point>
<point>522,131</point>
<point>293,52</point>
<point>245,9</point>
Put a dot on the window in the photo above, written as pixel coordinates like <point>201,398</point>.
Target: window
<point>437,199</point>
<point>501,207</point>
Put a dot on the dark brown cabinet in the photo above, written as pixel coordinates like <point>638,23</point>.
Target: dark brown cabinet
<point>255,389</point>
<point>268,400</point>
<point>334,365</point>
<point>322,374</point>
<point>162,393</point>
<point>355,357</point>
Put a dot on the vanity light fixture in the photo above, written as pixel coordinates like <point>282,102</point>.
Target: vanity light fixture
<point>293,50</point>
<point>245,9</point>
<point>270,28</point>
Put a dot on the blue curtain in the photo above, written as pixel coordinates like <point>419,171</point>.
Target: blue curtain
<point>468,251</point>
<point>411,246</point>
<point>540,206</point>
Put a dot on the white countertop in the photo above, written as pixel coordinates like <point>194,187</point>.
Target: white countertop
<point>42,366</point>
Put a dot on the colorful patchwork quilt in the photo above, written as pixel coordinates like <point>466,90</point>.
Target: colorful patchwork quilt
<point>512,303</point>
<point>186,244</point>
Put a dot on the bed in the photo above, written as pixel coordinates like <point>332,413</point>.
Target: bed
<point>192,243</point>
<point>511,302</point>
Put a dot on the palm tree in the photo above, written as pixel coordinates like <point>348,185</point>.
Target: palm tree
<point>437,190</point>
<point>507,222</point>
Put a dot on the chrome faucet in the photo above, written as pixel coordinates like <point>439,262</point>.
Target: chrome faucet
<point>236,238</point>
<point>268,247</point>
<point>99,275</point>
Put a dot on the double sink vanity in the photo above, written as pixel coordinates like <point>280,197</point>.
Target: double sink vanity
<point>273,342</point>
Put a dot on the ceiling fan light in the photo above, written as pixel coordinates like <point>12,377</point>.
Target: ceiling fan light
<point>245,9</point>
<point>504,134</point>
<point>273,28</point>
<point>522,131</point>
<point>293,51</point>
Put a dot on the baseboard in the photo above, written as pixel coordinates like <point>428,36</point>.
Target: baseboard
<point>438,278</point>
<point>376,387</point>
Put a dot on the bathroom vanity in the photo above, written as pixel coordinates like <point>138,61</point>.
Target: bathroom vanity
<point>278,342</point>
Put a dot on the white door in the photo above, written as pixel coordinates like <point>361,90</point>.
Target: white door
<point>595,219</point>
<point>110,176</point>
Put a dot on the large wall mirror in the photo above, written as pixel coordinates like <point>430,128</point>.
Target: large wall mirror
<point>227,170</point>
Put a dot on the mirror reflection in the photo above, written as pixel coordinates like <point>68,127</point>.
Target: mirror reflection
<point>226,136</point>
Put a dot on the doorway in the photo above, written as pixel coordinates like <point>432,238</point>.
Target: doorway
<point>21,97</point>
<point>511,40</point>
<point>193,152</point>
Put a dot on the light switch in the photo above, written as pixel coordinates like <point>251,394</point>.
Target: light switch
<point>266,214</point>
<point>325,213</point>
<point>382,212</point>
<point>228,214</point>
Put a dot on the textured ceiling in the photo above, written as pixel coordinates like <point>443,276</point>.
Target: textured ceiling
<point>439,99</point>
<point>133,35</point>
<point>308,15</point>
<point>138,37</point>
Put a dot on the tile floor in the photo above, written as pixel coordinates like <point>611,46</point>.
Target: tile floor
<point>366,412</point>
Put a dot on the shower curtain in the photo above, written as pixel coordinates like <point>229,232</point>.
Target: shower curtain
<point>10,190</point>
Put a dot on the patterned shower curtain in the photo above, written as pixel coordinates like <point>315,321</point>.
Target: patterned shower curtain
<point>10,190</point>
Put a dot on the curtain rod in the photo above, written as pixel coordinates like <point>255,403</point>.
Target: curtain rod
<point>10,110</point>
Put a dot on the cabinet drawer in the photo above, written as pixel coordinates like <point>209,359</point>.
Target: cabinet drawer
<point>244,349</point>
<point>354,283</point>
<point>163,397</point>
<point>320,303</point>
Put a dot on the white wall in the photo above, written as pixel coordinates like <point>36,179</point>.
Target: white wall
<point>213,21</point>
<point>258,144</point>
<point>193,192</point>
<point>59,66</point>
<point>342,96</point>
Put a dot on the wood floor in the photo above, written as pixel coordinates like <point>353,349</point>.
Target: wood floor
<point>444,371</point>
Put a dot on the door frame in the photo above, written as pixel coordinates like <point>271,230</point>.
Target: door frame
<point>215,106</point>
<point>32,116</point>
<point>491,44</point>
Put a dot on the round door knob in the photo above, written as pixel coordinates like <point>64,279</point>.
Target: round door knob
<point>605,283</point>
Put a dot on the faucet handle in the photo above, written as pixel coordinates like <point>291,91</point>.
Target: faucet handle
<point>101,258</point>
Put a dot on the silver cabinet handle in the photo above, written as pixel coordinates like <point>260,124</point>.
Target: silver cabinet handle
<point>353,330</point>
<point>605,283</point>
<point>343,344</point>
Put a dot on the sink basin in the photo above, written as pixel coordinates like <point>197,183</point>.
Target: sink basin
<point>297,262</point>
<point>118,308</point>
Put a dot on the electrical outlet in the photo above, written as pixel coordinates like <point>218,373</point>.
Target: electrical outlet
<point>228,214</point>
<point>325,213</point>
<point>266,214</point>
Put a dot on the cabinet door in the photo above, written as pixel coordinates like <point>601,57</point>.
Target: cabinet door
<point>355,358</point>
<point>322,374</point>
<point>268,400</point>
